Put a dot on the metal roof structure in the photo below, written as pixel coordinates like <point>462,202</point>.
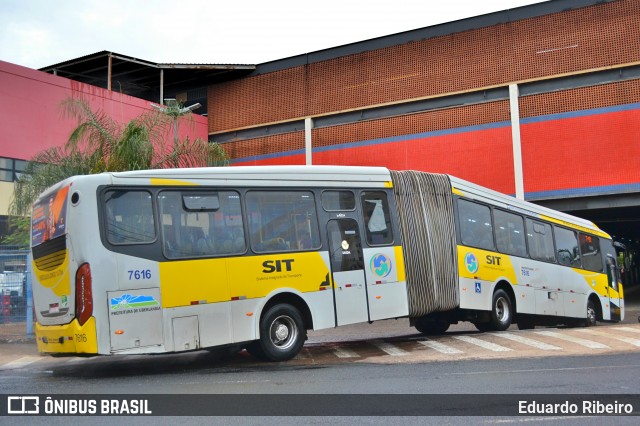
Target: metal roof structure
<point>147,80</point>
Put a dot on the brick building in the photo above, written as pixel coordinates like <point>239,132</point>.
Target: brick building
<point>541,101</point>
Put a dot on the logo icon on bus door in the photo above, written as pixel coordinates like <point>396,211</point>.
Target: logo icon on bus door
<point>471,263</point>
<point>380,265</point>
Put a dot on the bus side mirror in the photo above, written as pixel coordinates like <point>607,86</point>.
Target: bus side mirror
<point>612,276</point>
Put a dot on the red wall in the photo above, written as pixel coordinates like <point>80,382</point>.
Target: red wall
<point>30,113</point>
<point>593,151</point>
<point>582,149</point>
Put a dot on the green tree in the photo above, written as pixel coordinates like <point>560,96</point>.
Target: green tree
<point>101,144</point>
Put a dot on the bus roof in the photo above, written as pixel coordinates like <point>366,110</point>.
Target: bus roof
<point>336,176</point>
<point>511,203</point>
<point>269,173</point>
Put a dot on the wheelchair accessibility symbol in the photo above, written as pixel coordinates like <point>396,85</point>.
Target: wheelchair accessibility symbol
<point>478,288</point>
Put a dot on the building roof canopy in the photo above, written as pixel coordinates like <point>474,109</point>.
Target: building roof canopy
<point>144,79</point>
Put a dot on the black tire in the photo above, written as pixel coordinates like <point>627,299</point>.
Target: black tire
<point>591,318</point>
<point>431,328</point>
<point>282,334</point>
<point>501,311</point>
<point>526,324</point>
<point>255,350</point>
<point>483,326</point>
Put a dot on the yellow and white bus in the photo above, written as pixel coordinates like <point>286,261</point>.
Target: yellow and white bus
<point>252,257</point>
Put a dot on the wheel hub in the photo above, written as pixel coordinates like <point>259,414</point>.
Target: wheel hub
<point>282,332</point>
<point>502,309</point>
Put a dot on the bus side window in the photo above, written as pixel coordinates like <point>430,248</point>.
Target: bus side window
<point>540,238</point>
<point>590,250</point>
<point>475,225</point>
<point>201,223</point>
<point>129,217</point>
<point>509,229</point>
<point>377,219</point>
<point>282,221</point>
<point>567,247</point>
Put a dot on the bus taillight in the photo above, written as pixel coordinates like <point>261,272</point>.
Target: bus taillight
<point>84,298</point>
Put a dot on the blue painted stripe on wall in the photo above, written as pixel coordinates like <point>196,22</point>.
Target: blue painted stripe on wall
<point>414,136</point>
<point>372,142</point>
<point>583,192</point>
<point>581,113</point>
<point>268,156</point>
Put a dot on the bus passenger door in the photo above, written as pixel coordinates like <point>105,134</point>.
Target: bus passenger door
<point>613,289</point>
<point>347,266</point>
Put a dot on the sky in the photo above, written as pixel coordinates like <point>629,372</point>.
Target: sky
<point>39,33</point>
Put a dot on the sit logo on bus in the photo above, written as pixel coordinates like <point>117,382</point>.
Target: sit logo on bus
<point>277,265</point>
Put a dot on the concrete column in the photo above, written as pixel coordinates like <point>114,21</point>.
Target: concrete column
<point>161,86</point>
<point>308,125</point>
<point>109,72</point>
<point>515,139</point>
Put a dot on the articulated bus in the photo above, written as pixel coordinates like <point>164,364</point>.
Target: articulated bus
<point>176,260</point>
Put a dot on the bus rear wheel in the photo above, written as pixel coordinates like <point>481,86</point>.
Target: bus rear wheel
<point>282,334</point>
<point>501,311</point>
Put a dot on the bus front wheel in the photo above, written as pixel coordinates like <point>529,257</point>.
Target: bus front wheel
<point>501,311</point>
<point>282,334</point>
<point>591,314</point>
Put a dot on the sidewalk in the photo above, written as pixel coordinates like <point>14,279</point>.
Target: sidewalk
<point>15,332</point>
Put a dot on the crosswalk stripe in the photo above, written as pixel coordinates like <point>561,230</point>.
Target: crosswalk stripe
<point>345,353</point>
<point>582,342</point>
<point>483,344</point>
<point>440,347</point>
<point>629,340</point>
<point>390,349</point>
<point>20,362</point>
<point>526,341</point>
<point>633,330</point>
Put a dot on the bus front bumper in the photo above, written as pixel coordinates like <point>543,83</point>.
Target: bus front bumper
<point>71,338</point>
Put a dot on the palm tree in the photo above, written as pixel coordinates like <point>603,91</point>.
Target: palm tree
<point>100,144</point>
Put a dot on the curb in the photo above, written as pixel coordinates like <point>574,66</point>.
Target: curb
<point>17,339</point>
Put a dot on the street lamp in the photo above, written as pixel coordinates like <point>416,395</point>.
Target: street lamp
<point>173,109</point>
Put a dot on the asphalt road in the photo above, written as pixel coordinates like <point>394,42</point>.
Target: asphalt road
<point>386,358</point>
<point>464,381</point>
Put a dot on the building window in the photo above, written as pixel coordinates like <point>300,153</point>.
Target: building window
<point>10,169</point>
